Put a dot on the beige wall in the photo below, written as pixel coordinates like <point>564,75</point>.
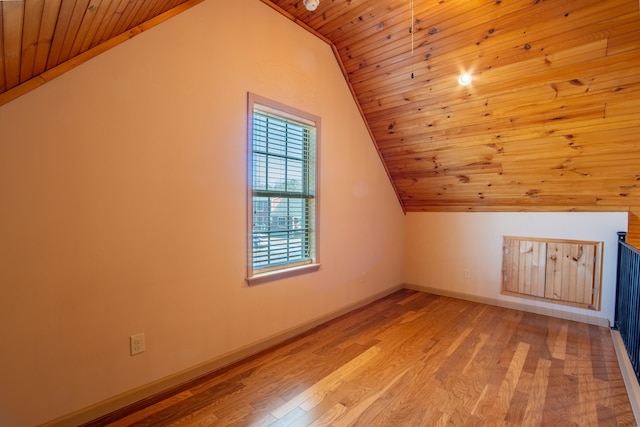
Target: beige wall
<point>122,209</point>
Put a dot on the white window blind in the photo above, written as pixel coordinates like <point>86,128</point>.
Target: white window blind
<point>282,190</point>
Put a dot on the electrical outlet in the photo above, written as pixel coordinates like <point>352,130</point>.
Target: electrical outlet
<point>467,273</point>
<point>137,343</point>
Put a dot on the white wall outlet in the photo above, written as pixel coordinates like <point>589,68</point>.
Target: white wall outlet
<point>467,273</point>
<point>137,343</point>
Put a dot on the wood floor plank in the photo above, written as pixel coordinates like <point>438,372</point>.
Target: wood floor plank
<point>502,400</point>
<point>357,409</point>
<point>559,345</point>
<point>310,396</point>
<point>410,359</point>
<point>200,418</point>
<point>535,405</point>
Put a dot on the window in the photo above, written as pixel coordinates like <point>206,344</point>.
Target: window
<point>282,190</point>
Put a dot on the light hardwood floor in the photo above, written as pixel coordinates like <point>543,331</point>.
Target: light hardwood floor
<point>411,359</point>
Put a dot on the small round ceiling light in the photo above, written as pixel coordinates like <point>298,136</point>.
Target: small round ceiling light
<point>464,79</point>
<point>311,5</point>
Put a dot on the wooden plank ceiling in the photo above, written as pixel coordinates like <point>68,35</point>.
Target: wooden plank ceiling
<point>39,39</point>
<point>551,121</point>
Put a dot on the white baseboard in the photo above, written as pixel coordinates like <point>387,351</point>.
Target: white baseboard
<point>592,320</point>
<point>628,374</point>
<point>120,401</point>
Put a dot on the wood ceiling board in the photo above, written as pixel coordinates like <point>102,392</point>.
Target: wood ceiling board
<point>3,85</point>
<point>48,21</point>
<point>30,34</point>
<point>62,24</point>
<point>95,14</point>
<point>12,18</point>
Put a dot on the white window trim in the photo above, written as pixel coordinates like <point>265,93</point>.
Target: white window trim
<point>304,117</point>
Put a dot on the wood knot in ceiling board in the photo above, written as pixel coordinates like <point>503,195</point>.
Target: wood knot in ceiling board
<point>628,187</point>
<point>573,146</point>
<point>532,193</point>
<point>463,178</point>
<point>576,82</point>
<point>564,165</point>
<point>579,172</point>
<point>486,162</point>
<point>486,36</point>
<point>433,31</point>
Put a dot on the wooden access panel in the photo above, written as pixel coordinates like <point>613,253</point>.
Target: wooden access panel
<point>561,271</point>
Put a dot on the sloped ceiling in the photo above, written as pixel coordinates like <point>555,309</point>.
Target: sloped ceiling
<point>40,39</point>
<point>550,122</point>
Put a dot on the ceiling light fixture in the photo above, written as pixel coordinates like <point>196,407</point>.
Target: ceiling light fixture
<point>464,79</point>
<point>311,5</point>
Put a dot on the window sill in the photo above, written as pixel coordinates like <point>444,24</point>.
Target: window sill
<point>282,274</point>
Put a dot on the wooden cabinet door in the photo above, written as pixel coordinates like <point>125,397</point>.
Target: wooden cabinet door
<point>561,271</point>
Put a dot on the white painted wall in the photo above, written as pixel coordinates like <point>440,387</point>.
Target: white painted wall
<point>122,209</point>
<point>439,246</point>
